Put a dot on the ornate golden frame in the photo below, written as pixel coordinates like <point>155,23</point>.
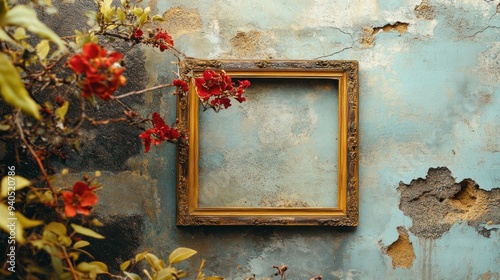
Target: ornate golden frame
<point>345,214</point>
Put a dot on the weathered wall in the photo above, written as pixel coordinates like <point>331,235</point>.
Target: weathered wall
<point>429,146</point>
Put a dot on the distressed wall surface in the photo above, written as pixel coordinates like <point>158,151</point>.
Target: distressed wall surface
<point>429,145</point>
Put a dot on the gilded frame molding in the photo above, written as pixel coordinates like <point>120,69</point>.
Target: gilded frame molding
<point>345,214</point>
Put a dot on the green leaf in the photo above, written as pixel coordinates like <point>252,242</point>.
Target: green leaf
<point>80,244</point>
<point>23,16</point>
<point>120,14</point>
<point>13,91</point>
<point>86,231</point>
<point>19,184</point>
<point>42,49</point>
<point>180,254</point>
<point>132,276</point>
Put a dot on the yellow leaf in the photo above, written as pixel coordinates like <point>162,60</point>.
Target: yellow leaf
<point>42,49</point>
<point>124,265</point>
<point>57,228</point>
<point>165,274</point>
<point>16,223</point>
<point>61,111</point>
<point>158,18</point>
<point>20,34</point>
<point>4,8</point>
<point>180,254</point>
<point>138,11</point>
<point>16,182</point>
<point>86,231</point>
<point>80,244</point>
<point>120,14</point>
<point>13,91</point>
<point>154,262</point>
<point>132,276</point>
<point>23,16</point>
<point>5,37</point>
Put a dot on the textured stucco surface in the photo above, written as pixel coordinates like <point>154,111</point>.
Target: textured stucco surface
<point>429,97</point>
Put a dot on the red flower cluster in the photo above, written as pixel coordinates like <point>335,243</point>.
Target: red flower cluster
<point>162,40</point>
<point>138,33</point>
<point>215,89</point>
<point>101,74</point>
<point>182,84</point>
<point>80,200</point>
<point>160,132</point>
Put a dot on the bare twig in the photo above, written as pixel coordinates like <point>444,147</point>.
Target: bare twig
<point>37,159</point>
<point>141,91</point>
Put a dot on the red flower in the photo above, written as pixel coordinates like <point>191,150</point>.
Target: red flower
<point>159,133</point>
<point>100,73</point>
<point>138,33</point>
<point>80,200</point>
<point>163,41</point>
<point>181,83</point>
<point>215,89</point>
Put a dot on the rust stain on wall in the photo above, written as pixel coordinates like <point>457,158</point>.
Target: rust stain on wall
<point>369,33</point>
<point>181,20</point>
<point>401,251</point>
<point>437,202</point>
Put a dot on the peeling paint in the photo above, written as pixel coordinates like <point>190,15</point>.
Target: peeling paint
<point>181,20</point>
<point>437,202</point>
<point>369,33</point>
<point>401,251</point>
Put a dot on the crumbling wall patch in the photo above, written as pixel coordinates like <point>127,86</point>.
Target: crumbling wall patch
<point>401,251</point>
<point>437,202</point>
<point>368,38</point>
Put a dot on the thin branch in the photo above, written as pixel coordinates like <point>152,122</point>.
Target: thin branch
<point>70,264</point>
<point>38,161</point>
<point>141,91</point>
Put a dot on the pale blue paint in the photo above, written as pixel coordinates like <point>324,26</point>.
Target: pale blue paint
<point>428,98</point>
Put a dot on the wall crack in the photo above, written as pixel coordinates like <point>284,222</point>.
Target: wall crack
<point>344,49</point>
